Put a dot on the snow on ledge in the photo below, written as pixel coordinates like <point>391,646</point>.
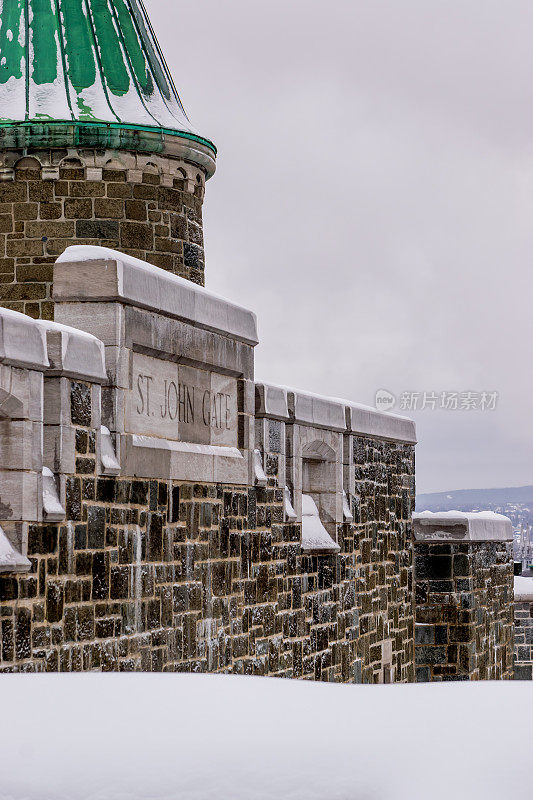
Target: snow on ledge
<point>220,737</point>
<point>523,589</point>
<point>480,526</point>
<point>10,559</point>
<point>99,274</point>
<point>333,413</point>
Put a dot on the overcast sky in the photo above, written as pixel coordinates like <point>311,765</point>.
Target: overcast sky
<point>373,203</point>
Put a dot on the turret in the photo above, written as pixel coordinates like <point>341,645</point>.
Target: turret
<point>95,145</point>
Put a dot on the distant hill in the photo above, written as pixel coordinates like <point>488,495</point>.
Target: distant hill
<point>470,499</point>
<point>516,502</point>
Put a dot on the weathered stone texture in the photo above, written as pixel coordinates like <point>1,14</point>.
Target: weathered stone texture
<point>167,576</point>
<point>464,612</point>
<point>523,641</point>
<point>39,219</point>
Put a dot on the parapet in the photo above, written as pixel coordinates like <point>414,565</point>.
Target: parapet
<point>523,589</point>
<point>98,274</point>
<point>39,364</point>
<point>460,526</point>
<point>165,372</point>
<point>311,445</point>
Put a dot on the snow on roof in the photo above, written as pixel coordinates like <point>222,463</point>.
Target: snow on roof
<point>85,63</point>
<point>210,737</point>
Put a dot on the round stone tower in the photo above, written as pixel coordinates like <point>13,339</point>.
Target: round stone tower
<point>95,146</point>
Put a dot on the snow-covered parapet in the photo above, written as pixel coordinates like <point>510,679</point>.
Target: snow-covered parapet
<point>459,526</point>
<point>41,363</point>
<point>308,443</point>
<point>331,413</point>
<point>98,274</point>
<point>523,589</point>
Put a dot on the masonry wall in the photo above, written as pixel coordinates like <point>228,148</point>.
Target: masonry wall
<point>523,641</point>
<point>383,548</point>
<point>464,611</point>
<point>173,576</point>
<point>150,208</point>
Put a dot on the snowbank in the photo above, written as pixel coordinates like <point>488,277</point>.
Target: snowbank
<point>197,737</point>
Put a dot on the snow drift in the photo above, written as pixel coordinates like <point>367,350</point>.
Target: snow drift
<point>201,737</point>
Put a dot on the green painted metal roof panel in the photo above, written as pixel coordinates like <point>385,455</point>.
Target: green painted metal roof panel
<point>85,61</point>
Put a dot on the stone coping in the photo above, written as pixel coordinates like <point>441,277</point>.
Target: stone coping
<point>163,459</point>
<point>98,274</point>
<point>460,526</point>
<point>371,422</point>
<point>523,589</point>
<point>74,353</point>
<point>22,341</point>
<point>49,347</point>
<point>306,408</point>
<point>271,401</point>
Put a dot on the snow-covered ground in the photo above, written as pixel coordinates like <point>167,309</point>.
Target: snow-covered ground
<point>198,737</point>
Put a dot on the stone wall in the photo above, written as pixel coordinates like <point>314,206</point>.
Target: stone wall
<point>523,641</point>
<point>147,206</point>
<point>464,612</point>
<point>159,575</point>
<point>131,545</point>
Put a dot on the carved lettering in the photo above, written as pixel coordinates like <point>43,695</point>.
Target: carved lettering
<point>173,401</point>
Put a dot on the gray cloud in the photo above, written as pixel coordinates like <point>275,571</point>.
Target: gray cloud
<point>373,202</point>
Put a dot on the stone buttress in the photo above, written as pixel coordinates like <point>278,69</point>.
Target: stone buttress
<point>464,596</point>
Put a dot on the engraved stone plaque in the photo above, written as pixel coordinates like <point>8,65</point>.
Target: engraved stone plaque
<point>182,403</point>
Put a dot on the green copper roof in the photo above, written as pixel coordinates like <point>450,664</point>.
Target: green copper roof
<point>83,70</point>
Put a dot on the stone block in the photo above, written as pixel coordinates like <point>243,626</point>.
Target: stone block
<point>20,496</point>
<point>59,448</point>
<point>181,403</point>
<point>50,229</point>
<point>271,401</point>
<point>73,352</point>
<point>22,341</point>
<point>80,404</point>
<point>56,395</point>
<point>109,208</point>
<point>20,445</point>
<point>110,464</point>
<point>136,236</point>
<point>26,386</point>
<point>97,229</point>
<point>103,320</point>
<point>318,411</point>
<point>78,208</point>
<point>148,457</point>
